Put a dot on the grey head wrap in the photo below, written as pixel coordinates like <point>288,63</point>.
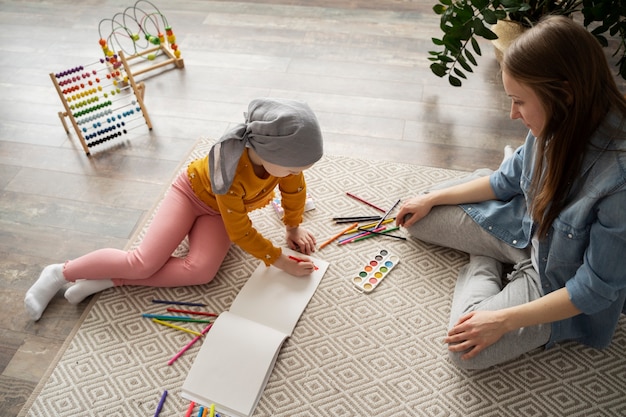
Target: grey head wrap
<point>282,132</point>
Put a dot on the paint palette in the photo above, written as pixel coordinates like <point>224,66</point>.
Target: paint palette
<point>375,270</point>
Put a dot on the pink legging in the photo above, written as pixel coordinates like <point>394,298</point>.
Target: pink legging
<point>181,214</point>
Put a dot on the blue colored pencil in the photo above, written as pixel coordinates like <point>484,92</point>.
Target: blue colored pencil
<point>160,406</point>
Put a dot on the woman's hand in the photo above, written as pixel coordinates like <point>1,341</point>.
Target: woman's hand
<point>475,331</point>
<point>413,210</point>
<point>298,267</point>
<point>300,239</point>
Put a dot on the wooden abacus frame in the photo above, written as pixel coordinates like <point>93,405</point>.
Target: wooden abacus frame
<point>137,89</point>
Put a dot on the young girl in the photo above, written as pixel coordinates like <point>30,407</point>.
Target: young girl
<point>555,209</point>
<point>210,203</point>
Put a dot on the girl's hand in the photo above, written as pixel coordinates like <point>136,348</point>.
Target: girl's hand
<point>298,267</point>
<point>301,240</point>
<point>413,210</point>
<point>475,331</point>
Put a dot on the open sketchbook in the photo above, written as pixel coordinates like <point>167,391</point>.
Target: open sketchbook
<point>238,354</point>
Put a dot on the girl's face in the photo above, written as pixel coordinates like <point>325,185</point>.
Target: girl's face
<point>525,105</point>
<point>280,171</point>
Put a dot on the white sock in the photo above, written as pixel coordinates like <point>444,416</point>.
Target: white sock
<point>39,295</point>
<point>83,288</point>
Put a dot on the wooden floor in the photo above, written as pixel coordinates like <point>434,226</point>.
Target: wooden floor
<point>361,65</point>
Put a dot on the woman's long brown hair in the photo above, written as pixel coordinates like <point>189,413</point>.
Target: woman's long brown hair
<point>566,67</point>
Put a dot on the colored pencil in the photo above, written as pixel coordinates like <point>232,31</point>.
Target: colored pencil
<point>387,213</point>
<point>365,202</point>
<point>180,303</point>
<point>199,313</point>
<point>329,241</point>
<point>369,226</point>
<point>293,258</point>
<point>362,234</point>
<point>174,318</point>
<point>173,326</point>
<point>190,409</point>
<point>385,233</point>
<point>160,406</point>
<point>212,410</point>
<point>339,220</point>
<point>372,234</point>
<point>190,344</point>
<point>200,411</point>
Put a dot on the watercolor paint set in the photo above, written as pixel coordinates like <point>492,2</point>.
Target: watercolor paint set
<point>375,270</point>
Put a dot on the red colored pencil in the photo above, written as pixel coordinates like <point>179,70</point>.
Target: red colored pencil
<point>365,202</point>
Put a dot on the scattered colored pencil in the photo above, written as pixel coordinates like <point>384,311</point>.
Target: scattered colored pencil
<point>173,326</point>
<point>369,226</point>
<point>180,303</point>
<point>372,234</point>
<point>329,241</point>
<point>190,409</point>
<point>387,213</point>
<point>352,238</point>
<point>355,219</point>
<point>161,402</point>
<point>365,202</point>
<point>199,313</point>
<point>174,318</point>
<point>188,345</point>
<point>385,233</point>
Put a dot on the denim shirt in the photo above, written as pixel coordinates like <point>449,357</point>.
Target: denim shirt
<point>585,250</point>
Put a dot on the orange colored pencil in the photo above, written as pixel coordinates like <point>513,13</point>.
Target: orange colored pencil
<point>352,226</point>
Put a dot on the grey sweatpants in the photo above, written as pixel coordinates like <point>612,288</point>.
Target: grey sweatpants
<point>480,284</point>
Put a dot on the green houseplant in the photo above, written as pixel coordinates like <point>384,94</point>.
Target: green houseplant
<point>463,21</point>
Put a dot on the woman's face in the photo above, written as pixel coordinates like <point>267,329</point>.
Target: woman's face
<point>525,105</point>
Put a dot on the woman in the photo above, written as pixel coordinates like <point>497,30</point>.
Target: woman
<point>554,209</point>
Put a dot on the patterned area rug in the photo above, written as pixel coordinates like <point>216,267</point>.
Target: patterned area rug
<point>351,354</point>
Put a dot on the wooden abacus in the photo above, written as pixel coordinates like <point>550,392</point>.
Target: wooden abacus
<point>102,104</point>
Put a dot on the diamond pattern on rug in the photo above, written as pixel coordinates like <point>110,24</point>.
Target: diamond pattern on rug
<point>351,354</point>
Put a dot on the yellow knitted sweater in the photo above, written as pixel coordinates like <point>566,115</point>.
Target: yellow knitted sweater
<point>247,193</point>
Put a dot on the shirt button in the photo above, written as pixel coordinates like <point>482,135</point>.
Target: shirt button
<point>490,228</point>
<point>570,235</point>
<point>514,242</point>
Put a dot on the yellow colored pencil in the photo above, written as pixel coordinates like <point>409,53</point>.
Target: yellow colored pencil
<point>367,226</point>
<point>173,326</point>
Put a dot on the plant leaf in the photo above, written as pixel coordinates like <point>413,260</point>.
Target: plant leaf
<point>459,73</point>
<point>470,57</point>
<point>481,30</point>
<point>455,82</point>
<point>439,9</point>
<point>476,46</point>
<point>438,69</point>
